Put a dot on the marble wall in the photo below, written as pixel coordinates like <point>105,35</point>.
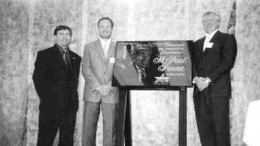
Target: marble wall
<point>246,77</point>
<point>14,59</point>
<point>27,26</point>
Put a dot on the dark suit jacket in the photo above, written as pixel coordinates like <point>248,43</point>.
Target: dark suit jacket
<point>215,63</point>
<point>54,83</point>
<point>151,73</point>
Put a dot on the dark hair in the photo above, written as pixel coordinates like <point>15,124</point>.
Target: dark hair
<point>62,27</point>
<point>106,18</point>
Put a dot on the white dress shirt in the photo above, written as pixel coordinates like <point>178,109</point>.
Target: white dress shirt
<point>105,45</point>
<point>208,38</point>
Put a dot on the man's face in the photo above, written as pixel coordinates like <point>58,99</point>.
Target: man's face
<point>63,38</point>
<point>105,29</point>
<point>143,58</point>
<point>210,23</point>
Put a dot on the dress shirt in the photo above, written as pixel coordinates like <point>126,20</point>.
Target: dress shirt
<point>105,45</point>
<point>208,38</point>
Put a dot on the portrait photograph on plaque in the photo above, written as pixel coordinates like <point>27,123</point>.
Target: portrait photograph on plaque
<point>152,64</point>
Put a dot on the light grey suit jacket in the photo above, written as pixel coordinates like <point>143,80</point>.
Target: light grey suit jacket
<point>127,75</point>
<point>97,70</point>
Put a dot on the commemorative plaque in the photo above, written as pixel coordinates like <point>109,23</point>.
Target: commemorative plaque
<point>152,64</point>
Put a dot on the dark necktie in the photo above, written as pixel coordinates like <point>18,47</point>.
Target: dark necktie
<point>142,73</point>
<point>65,56</point>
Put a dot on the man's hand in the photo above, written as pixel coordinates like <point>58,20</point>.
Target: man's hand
<point>104,89</point>
<point>202,82</point>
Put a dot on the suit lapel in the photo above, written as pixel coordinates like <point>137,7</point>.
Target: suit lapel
<point>111,50</point>
<point>72,60</point>
<point>201,43</point>
<point>215,37</point>
<point>212,40</point>
<point>99,49</point>
<point>58,54</point>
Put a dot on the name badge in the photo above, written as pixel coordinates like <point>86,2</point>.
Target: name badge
<point>209,45</point>
<point>111,60</point>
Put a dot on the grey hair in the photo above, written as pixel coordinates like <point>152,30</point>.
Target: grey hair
<point>212,14</point>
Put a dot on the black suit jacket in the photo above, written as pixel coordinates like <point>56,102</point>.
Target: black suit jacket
<point>215,63</point>
<point>152,72</point>
<point>55,84</point>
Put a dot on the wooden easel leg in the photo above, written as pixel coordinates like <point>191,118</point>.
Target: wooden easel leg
<point>183,117</point>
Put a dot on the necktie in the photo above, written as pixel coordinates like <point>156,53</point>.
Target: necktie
<point>65,57</point>
<point>142,73</point>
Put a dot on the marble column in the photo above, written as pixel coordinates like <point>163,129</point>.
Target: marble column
<point>246,78</point>
<point>14,50</point>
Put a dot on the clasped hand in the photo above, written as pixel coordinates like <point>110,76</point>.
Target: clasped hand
<point>201,82</point>
<point>104,89</point>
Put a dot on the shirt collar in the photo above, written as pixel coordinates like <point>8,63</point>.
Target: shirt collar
<point>139,67</point>
<point>62,49</point>
<point>103,41</point>
<point>210,35</point>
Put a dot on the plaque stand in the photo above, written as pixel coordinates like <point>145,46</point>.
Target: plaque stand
<point>124,131</point>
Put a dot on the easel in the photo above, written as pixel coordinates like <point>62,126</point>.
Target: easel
<point>124,131</point>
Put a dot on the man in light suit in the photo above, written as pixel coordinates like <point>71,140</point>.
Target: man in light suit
<point>56,81</point>
<point>214,57</point>
<point>97,68</point>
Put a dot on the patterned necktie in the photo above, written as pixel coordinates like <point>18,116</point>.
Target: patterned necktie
<point>142,73</point>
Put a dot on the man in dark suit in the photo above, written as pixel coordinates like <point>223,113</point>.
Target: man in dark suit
<point>214,57</point>
<point>56,80</point>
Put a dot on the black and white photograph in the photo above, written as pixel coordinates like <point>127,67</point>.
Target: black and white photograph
<point>129,73</point>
